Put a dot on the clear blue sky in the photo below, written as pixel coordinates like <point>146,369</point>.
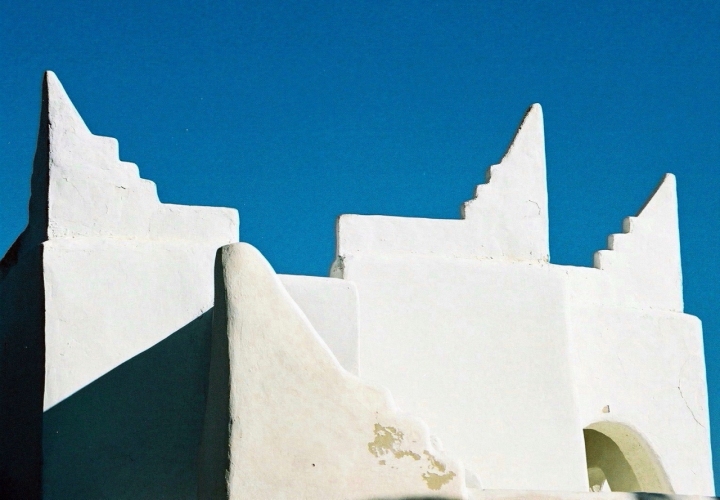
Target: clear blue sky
<point>297,112</point>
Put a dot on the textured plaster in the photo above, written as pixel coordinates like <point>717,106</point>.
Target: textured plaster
<point>285,420</point>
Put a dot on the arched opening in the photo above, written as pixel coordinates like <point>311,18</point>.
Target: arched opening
<point>619,459</point>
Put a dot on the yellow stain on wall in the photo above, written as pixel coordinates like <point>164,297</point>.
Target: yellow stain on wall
<point>433,480</point>
<point>388,440</point>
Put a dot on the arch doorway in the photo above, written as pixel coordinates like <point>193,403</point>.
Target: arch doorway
<point>619,459</point>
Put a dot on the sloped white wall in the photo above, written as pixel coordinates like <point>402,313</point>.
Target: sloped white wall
<point>285,420</point>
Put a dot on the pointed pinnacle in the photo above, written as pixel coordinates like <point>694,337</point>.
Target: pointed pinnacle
<point>663,201</point>
<point>61,111</point>
<point>530,136</point>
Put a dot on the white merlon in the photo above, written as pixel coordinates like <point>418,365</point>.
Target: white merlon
<point>644,260</point>
<point>511,209</point>
<point>507,219</point>
<point>107,233</point>
<point>93,193</point>
<point>122,271</point>
<point>285,420</point>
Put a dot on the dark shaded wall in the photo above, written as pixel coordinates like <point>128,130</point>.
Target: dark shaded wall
<point>214,458</point>
<point>22,376</point>
<point>134,433</point>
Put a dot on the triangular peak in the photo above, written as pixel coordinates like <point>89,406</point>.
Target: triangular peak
<point>661,207</point>
<point>63,116</point>
<point>60,130</point>
<point>508,218</point>
<point>69,137</point>
<point>524,160</point>
<point>646,255</point>
<point>93,214</point>
<point>80,187</point>
<point>529,140</point>
<point>513,203</point>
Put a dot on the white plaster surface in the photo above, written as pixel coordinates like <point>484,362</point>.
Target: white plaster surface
<point>647,367</point>
<point>108,300</point>
<point>479,351</point>
<point>635,352</point>
<point>508,357</point>
<point>331,305</point>
<point>122,271</point>
<point>644,260</point>
<point>300,426</point>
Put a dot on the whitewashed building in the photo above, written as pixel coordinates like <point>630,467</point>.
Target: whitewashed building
<point>145,353</point>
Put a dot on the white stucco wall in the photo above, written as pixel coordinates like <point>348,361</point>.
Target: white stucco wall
<point>120,273</point>
<point>331,305</point>
<point>645,369</point>
<point>505,356</point>
<point>508,357</point>
<point>122,270</point>
<point>109,300</point>
<point>285,420</point>
<point>479,351</point>
<point>633,351</point>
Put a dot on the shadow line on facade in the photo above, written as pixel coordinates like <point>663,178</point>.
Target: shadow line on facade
<point>135,432</point>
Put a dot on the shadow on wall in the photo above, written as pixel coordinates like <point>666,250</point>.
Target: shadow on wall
<point>653,496</point>
<point>135,432</point>
<point>22,377</point>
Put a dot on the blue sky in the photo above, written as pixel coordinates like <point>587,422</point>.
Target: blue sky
<point>296,112</point>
